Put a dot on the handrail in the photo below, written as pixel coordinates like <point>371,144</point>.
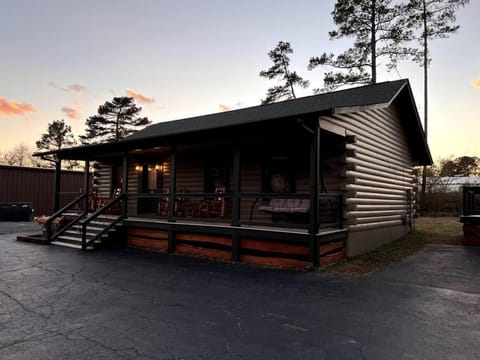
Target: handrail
<point>100,234</point>
<point>97,213</point>
<point>52,217</point>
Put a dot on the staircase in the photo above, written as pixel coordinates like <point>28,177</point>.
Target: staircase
<point>72,237</point>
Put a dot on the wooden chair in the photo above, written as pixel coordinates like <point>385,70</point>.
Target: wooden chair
<point>212,208</point>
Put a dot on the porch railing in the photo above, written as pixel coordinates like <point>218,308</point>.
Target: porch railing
<point>114,221</point>
<point>253,208</point>
<point>74,204</point>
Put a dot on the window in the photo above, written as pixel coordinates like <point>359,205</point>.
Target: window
<point>278,175</point>
<point>216,175</point>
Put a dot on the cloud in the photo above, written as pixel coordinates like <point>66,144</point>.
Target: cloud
<point>476,82</point>
<point>223,107</point>
<point>71,112</point>
<point>76,87</point>
<point>12,107</point>
<point>140,97</point>
<point>69,88</point>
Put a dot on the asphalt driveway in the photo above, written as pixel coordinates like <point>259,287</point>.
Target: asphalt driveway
<point>59,303</point>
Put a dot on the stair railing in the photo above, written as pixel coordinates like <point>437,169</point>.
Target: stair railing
<point>86,243</point>
<point>48,225</point>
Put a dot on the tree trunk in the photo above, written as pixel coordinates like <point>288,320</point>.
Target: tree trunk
<point>425,92</point>
<point>373,43</point>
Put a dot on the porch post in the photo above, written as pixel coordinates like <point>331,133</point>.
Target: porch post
<point>58,174</point>
<point>313,221</point>
<point>125,184</point>
<point>173,185</point>
<point>236,185</point>
<point>86,186</point>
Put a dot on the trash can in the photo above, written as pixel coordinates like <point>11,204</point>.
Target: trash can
<point>16,211</point>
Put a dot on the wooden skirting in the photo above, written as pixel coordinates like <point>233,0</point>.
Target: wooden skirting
<point>471,235</point>
<point>285,253</point>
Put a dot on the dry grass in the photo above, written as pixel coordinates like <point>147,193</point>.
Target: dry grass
<point>428,230</point>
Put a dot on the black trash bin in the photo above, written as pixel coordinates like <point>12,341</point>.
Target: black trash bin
<point>16,211</point>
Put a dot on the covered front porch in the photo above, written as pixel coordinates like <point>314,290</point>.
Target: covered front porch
<point>252,195</point>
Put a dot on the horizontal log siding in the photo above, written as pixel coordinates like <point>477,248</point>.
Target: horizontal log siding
<point>379,168</point>
<point>190,171</point>
<point>103,178</point>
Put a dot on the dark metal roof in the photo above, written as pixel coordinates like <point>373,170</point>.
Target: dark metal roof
<point>381,93</point>
<point>354,99</point>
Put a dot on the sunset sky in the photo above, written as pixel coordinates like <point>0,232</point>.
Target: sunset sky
<point>180,58</point>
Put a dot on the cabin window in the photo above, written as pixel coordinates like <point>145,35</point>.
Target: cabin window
<point>278,175</point>
<point>216,176</point>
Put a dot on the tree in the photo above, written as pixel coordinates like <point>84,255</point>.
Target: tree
<point>19,155</point>
<point>280,70</point>
<point>115,120</point>
<point>377,30</point>
<point>58,135</point>
<point>460,166</point>
<point>435,19</point>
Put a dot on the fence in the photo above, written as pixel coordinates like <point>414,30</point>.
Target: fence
<point>36,186</point>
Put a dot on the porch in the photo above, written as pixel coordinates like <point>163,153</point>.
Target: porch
<point>249,197</point>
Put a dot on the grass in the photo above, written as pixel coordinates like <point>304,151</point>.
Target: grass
<point>428,230</point>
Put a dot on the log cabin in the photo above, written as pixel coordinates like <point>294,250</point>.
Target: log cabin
<point>298,184</point>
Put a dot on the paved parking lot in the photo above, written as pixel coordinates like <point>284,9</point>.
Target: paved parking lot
<point>59,303</point>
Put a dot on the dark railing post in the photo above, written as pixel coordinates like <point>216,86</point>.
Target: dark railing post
<point>86,186</point>
<point>84,236</point>
<point>173,185</point>
<point>125,185</point>
<point>58,174</point>
<point>313,220</point>
<point>236,185</point>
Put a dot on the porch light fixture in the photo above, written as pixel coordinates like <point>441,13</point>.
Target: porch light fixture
<point>159,167</point>
<point>138,168</point>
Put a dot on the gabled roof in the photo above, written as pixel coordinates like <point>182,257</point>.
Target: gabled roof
<point>377,94</point>
<point>348,100</point>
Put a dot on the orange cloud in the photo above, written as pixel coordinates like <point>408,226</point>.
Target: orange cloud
<point>12,107</point>
<point>140,97</point>
<point>71,112</point>
<point>476,83</point>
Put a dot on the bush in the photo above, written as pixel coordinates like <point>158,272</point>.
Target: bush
<point>442,203</point>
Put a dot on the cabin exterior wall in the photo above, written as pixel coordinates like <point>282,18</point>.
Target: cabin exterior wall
<point>379,178</point>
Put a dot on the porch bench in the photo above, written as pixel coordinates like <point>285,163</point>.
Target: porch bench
<point>288,206</point>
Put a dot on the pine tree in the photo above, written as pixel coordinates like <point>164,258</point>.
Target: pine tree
<point>435,19</point>
<point>378,33</point>
<point>280,70</point>
<point>115,120</point>
<point>58,136</point>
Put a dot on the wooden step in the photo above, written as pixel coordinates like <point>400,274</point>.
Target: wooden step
<point>67,244</point>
